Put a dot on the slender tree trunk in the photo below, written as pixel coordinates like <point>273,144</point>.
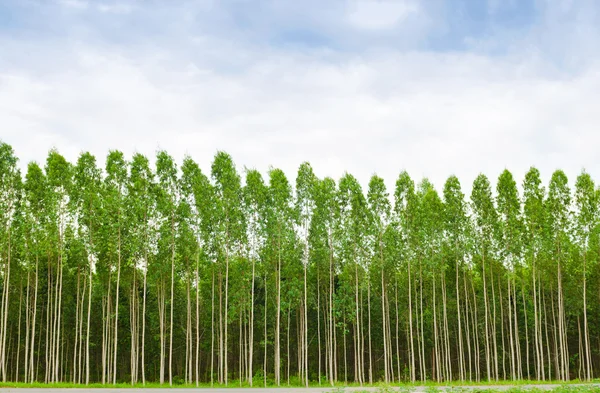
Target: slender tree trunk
<point>586,334</point>
<point>251,334</point>
<point>265,354</point>
<point>32,373</point>
<point>143,341</point>
<point>117,305</point>
<point>212,328</point>
<point>19,332</point>
<point>357,329</point>
<point>370,336</point>
<point>197,374</point>
<point>413,376</point>
<point>305,327</point>
<point>278,315</point>
<point>171,305</point>
<point>331,317</point>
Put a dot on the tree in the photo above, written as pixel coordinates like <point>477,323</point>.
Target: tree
<point>230,231</point>
<point>255,205</point>
<point>306,182</point>
<point>510,234</point>
<point>10,184</point>
<point>35,189</point>
<point>279,232</point>
<point>456,223</point>
<point>354,217</point>
<point>380,208</point>
<point>405,208</point>
<point>485,225</point>
<point>559,222</point>
<point>141,213</point>
<point>587,221</point>
<point>534,220</point>
<point>115,199</point>
<point>86,195</point>
<point>167,204</point>
<point>199,193</point>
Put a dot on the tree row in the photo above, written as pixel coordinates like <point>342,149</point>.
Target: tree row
<point>158,272</point>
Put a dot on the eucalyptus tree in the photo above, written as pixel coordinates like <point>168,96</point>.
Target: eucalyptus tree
<point>456,223</point>
<point>187,251</point>
<point>534,221</point>
<point>330,225</point>
<point>485,227</point>
<point>58,174</point>
<point>199,192</point>
<point>405,209</point>
<point>280,226</point>
<point>430,219</point>
<point>229,230</point>
<point>558,209</point>
<point>10,184</point>
<point>115,192</point>
<point>255,194</point>
<point>35,195</point>
<point>168,197</point>
<point>586,200</point>
<point>380,208</point>
<point>87,198</point>
<point>510,247</point>
<point>306,182</point>
<point>141,213</point>
<point>354,217</point>
<point>322,240</point>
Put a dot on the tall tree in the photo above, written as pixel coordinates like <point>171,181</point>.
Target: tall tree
<point>586,200</point>
<point>559,220</point>
<point>280,229</point>
<point>167,205</point>
<point>510,250</point>
<point>141,212</point>
<point>456,225</point>
<point>36,189</point>
<point>380,207</point>
<point>534,220</point>
<point>405,207</point>
<point>198,190</point>
<point>87,197</point>
<point>230,231</point>
<point>115,189</point>
<point>354,217</point>
<point>306,183</point>
<point>10,184</point>
<point>485,225</point>
<point>255,205</point>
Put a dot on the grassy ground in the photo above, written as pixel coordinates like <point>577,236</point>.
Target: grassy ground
<point>432,387</point>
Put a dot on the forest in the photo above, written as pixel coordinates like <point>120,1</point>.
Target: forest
<point>154,271</point>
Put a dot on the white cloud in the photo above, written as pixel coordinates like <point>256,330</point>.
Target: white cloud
<point>77,4</point>
<point>115,8</point>
<point>434,114</point>
<point>379,14</point>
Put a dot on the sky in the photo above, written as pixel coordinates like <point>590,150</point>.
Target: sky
<point>433,87</point>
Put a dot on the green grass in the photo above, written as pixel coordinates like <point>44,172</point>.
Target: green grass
<point>432,387</point>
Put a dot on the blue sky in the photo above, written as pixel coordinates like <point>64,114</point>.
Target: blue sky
<point>436,87</point>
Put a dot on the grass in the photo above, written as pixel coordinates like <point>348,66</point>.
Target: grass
<point>431,387</point>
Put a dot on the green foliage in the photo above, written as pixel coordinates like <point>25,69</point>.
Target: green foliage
<point>202,267</point>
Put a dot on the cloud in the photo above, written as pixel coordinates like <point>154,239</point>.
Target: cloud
<point>379,14</point>
<point>433,113</point>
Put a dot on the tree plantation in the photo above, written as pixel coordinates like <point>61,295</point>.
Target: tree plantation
<point>150,270</point>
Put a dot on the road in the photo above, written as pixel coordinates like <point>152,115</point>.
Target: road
<point>271,390</point>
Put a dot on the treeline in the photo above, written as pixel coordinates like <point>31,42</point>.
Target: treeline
<point>163,273</point>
